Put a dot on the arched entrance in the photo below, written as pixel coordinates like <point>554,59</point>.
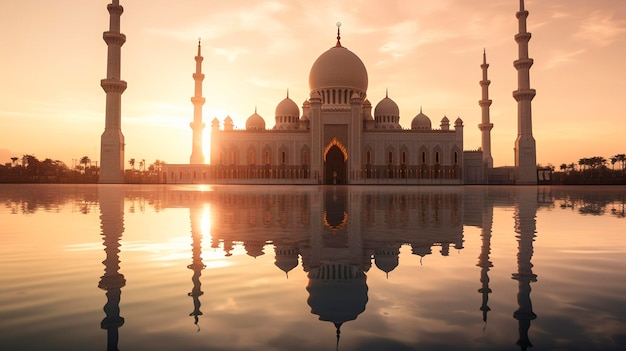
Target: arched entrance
<point>335,157</point>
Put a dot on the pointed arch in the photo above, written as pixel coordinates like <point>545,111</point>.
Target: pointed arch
<point>283,154</point>
<point>251,152</point>
<point>404,155</point>
<point>337,143</point>
<point>368,155</point>
<point>267,155</point>
<point>305,155</point>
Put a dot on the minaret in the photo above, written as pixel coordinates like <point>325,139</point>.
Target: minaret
<point>525,227</point>
<point>112,140</point>
<point>197,126</point>
<point>525,150</point>
<point>485,126</point>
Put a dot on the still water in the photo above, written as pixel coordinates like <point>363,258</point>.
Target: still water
<point>312,268</point>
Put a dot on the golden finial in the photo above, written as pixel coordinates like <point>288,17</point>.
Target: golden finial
<point>338,35</point>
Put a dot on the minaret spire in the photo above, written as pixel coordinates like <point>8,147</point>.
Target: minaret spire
<point>112,140</point>
<point>197,126</point>
<point>525,148</point>
<point>485,126</point>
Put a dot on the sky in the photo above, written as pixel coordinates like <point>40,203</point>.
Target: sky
<point>426,53</point>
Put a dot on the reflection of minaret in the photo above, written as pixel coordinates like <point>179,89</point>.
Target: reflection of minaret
<point>112,140</point>
<point>485,126</point>
<point>112,226</point>
<point>483,260</point>
<point>197,157</point>
<point>525,213</point>
<point>195,214</point>
<point>525,149</point>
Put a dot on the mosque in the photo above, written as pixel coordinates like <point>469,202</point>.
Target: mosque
<point>335,138</point>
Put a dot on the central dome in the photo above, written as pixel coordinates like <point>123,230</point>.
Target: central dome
<point>338,67</point>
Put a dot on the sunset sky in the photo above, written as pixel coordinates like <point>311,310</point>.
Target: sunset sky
<point>426,53</point>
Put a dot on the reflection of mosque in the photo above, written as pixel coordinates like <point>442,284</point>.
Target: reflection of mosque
<point>336,234</point>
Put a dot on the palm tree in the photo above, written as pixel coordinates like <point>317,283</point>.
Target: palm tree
<point>84,161</point>
<point>132,163</point>
<point>613,161</point>
<point>142,164</point>
<point>621,158</point>
<point>563,167</point>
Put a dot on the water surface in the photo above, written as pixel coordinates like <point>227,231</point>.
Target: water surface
<point>311,268</point>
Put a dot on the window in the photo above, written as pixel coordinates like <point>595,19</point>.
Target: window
<point>251,159</point>
<point>305,157</point>
<point>283,157</point>
<point>390,157</point>
<point>456,157</point>
<point>267,157</point>
<point>403,157</point>
<point>368,157</point>
<point>423,158</point>
<point>437,157</point>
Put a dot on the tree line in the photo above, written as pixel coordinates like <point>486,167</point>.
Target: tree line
<point>29,169</point>
<point>594,170</point>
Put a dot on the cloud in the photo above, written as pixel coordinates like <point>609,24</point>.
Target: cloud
<point>601,28</point>
<point>230,54</point>
<point>403,38</point>
<point>559,58</point>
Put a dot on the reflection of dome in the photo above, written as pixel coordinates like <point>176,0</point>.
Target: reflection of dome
<point>421,250</point>
<point>287,108</point>
<point>254,248</point>
<point>387,259</point>
<point>386,107</point>
<point>337,292</point>
<point>338,67</point>
<point>286,258</point>
<point>421,122</point>
<point>255,122</point>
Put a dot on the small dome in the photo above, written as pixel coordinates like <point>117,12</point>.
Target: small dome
<point>287,107</point>
<point>228,120</point>
<point>338,67</point>
<point>386,107</point>
<point>255,122</point>
<point>421,122</point>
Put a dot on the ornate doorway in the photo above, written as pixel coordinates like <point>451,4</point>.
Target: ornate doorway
<point>335,157</point>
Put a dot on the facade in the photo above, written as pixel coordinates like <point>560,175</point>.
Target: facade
<point>336,138</point>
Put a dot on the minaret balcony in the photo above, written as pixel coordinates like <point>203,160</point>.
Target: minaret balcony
<point>198,100</point>
<point>485,103</point>
<point>113,85</point>
<point>524,63</point>
<point>115,9</point>
<point>524,95</point>
<point>113,38</point>
<point>523,37</point>
<point>485,126</point>
<point>198,76</point>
